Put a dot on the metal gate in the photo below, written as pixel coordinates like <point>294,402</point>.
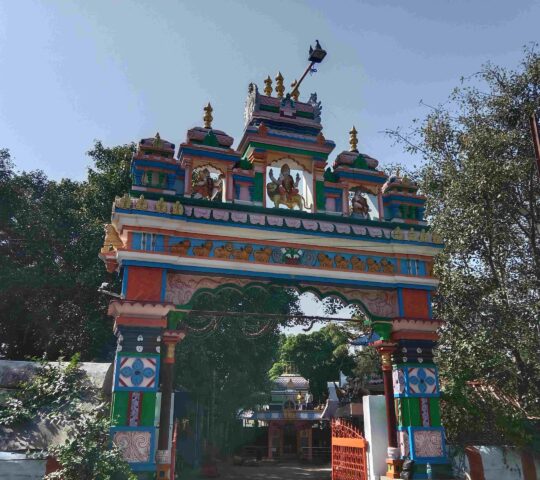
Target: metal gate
<point>348,452</point>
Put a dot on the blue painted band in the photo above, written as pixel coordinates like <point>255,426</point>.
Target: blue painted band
<point>362,176</point>
<point>163,284</point>
<point>390,199</point>
<point>125,277</point>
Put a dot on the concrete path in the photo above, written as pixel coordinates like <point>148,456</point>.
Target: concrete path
<point>283,471</point>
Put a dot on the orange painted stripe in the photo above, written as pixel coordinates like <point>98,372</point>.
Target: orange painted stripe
<point>414,335</point>
<point>349,442</point>
<point>141,322</point>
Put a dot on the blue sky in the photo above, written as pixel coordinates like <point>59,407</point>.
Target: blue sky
<point>79,70</point>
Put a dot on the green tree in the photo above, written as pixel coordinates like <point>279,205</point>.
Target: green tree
<point>50,235</point>
<point>87,454</point>
<point>224,362</point>
<point>484,200</point>
<point>318,356</point>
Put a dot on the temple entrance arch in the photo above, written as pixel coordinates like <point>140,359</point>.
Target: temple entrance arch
<point>171,243</point>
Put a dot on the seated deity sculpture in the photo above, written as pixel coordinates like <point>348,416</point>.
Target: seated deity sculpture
<point>284,189</point>
<point>359,205</point>
<point>205,187</point>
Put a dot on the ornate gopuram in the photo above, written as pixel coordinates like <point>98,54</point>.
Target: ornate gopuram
<point>275,210</point>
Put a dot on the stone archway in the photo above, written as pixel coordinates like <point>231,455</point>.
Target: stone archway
<point>169,247</point>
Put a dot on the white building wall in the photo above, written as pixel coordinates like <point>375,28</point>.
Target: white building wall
<point>375,434</point>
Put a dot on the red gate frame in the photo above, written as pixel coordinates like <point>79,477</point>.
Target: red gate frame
<point>348,452</point>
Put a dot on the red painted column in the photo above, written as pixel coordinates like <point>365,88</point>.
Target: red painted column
<point>163,453</point>
<point>386,349</point>
<point>270,431</point>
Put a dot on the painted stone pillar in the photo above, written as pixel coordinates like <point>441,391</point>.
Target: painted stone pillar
<point>417,398</point>
<point>229,189</point>
<point>380,204</point>
<point>393,461</point>
<point>163,453</point>
<point>270,436</point>
<point>345,202</point>
<point>135,396</point>
<point>188,166</point>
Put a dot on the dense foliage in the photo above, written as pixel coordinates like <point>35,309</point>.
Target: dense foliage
<point>62,395</point>
<point>225,366</point>
<point>87,454</point>
<point>50,234</point>
<point>318,356</point>
<point>484,200</point>
<point>53,392</point>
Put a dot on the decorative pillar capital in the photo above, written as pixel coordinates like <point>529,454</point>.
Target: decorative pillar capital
<point>385,349</point>
<point>170,339</point>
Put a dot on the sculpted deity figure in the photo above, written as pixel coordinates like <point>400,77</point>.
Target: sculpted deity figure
<point>206,187</point>
<point>359,205</point>
<point>284,189</point>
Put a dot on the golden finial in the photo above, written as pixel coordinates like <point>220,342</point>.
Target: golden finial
<point>157,140</point>
<point>208,116</point>
<point>268,87</point>
<point>296,92</point>
<point>398,172</point>
<point>280,89</point>
<point>353,140</point>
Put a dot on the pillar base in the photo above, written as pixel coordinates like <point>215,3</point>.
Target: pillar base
<point>163,472</point>
<point>163,460</point>
<point>393,467</point>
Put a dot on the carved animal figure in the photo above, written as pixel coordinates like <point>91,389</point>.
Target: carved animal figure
<point>358,264</point>
<point>225,251</point>
<point>203,250</point>
<point>324,260</point>
<point>387,266</point>
<point>372,265</point>
<point>112,239</point>
<point>243,253</point>
<point>284,189</point>
<point>341,262</point>
<point>263,254</point>
<point>181,248</point>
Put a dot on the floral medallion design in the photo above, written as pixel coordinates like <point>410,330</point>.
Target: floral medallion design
<point>136,372</point>
<point>422,381</point>
<point>134,445</point>
<point>399,381</point>
<point>428,443</point>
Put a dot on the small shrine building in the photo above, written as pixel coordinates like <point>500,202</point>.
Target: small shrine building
<point>290,417</point>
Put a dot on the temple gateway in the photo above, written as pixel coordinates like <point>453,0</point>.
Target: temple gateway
<point>207,216</point>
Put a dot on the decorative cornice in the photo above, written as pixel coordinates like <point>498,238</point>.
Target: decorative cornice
<point>135,308</point>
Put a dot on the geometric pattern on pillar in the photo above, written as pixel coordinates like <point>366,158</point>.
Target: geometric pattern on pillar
<point>416,397</point>
<point>136,373</point>
<point>422,444</point>
<point>416,380</point>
